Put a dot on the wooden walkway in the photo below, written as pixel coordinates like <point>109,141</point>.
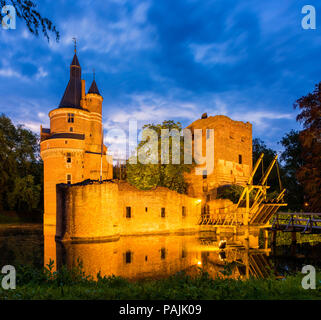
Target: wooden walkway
<point>261,215</point>
<point>303,222</point>
<point>257,211</point>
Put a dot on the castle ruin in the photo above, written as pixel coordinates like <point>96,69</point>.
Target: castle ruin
<point>83,202</point>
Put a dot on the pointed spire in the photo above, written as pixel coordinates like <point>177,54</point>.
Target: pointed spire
<point>72,95</point>
<point>93,88</point>
<point>75,61</point>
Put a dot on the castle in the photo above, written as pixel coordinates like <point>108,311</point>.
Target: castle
<point>83,202</point>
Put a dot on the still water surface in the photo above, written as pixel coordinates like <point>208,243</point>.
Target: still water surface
<point>157,256</point>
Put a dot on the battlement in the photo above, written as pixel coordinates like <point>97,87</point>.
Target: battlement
<point>218,119</point>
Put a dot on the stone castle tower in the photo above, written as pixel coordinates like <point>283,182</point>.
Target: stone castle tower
<point>72,149</point>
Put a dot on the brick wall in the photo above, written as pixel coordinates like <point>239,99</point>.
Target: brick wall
<point>110,209</point>
<point>232,154</point>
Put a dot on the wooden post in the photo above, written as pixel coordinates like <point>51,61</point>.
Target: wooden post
<point>246,216</point>
<point>274,238</point>
<point>266,238</point>
<point>293,237</point>
<point>246,260</point>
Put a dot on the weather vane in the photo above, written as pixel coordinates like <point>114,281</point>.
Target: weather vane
<point>94,73</point>
<point>75,43</point>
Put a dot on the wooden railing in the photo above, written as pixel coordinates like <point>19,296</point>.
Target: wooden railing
<point>304,222</point>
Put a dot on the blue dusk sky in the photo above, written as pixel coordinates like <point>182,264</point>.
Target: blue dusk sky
<point>161,60</point>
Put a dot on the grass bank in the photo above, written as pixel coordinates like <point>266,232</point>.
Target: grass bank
<point>74,284</point>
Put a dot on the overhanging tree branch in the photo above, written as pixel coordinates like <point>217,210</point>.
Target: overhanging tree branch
<point>27,11</point>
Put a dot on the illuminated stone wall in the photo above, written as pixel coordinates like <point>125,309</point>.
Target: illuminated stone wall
<point>100,211</point>
<point>232,145</point>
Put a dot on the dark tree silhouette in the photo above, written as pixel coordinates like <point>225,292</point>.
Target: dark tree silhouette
<point>309,174</point>
<point>21,176</point>
<point>27,11</point>
<point>292,162</point>
<point>260,147</point>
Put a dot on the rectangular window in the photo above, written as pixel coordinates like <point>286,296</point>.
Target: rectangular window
<point>71,129</point>
<point>128,212</point>
<point>128,257</point>
<point>204,174</point>
<point>71,118</point>
<point>68,157</point>
<point>163,213</point>
<point>146,209</point>
<point>240,159</point>
<point>163,253</point>
<point>69,178</point>
<point>183,212</point>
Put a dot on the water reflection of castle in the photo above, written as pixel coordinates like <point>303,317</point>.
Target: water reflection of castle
<point>163,255</point>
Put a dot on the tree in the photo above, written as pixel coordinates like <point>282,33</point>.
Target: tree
<point>20,167</point>
<point>26,10</point>
<point>151,175</point>
<point>309,174</point>
<point>260,147</point>
<point>25,194</point>
<point>292,162</point>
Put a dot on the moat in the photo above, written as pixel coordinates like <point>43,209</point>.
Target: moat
<point>158,256</point>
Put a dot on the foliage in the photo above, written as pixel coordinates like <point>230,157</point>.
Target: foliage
<point>231,192</point>
<point>74,284</point>
<point>148,176</point>
<point>260,147</point>
<point>309,174</point>
<point>26,10</point>
<point>25,195</point>
<point>20,168</point>
<point>292,162</point>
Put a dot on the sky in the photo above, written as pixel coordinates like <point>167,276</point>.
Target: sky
<point>161,60</point>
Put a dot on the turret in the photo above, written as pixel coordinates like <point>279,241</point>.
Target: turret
<point>94,99</point>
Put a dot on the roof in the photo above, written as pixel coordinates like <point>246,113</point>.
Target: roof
<point>93,88</point>
<point>75,61</point>
<point>72,95</point>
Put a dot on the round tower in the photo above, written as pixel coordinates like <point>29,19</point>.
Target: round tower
<point>72,149</point>
<point>63,145</point>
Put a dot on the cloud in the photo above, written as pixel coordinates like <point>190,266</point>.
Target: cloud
<point>33,126</point>
<point>161,60</point>
<point>215,53</point>
<point>261,119</point>
<point>127,30</point>
<point>41,73</point>
<point>10,73</point>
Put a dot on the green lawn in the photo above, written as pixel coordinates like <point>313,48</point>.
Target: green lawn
<point>36,284</point>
